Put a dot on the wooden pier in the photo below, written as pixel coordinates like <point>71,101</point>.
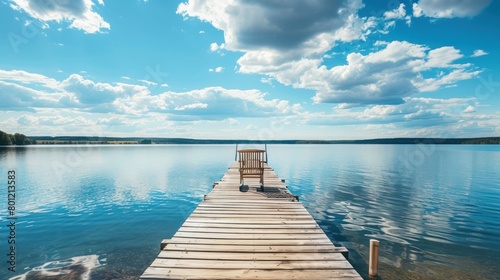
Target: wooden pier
<point>246,233</point>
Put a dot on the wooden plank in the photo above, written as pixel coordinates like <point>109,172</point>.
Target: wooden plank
<point>228,274</point>
<point>253,216</point>
<point>264,248</point>
<point>254,236</point>
<point>216,224</point>
<point>266,212</point>
<point>251,264</point>
<point>267,242</point>
<point>250,206</point>
<point>245,256</point>
<point>250,230</point>
<point>257,221</point>
<point>263,201</point>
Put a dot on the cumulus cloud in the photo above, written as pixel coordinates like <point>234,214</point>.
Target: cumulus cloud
<point>414,114</point>
<point>386,76</point>
<point>79,12</point>
<point>89,92</point>
<point>26,91</point>
<point>450,8</point>
<point>287,42</point>
<point>24,77</point>
<point>221,103</point>
<point>282,25</point>
<point>398,13</point>
<point>16,98</point>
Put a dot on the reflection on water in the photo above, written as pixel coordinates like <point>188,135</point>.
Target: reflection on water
<point>112,201</point>
<point>438,218</point>
<point>74,268</point>
<point>435,209</point>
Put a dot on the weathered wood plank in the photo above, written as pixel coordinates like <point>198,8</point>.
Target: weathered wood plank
<point>240,231</point>
<point>245,256</point>
<point>255,236</point>
<point>228,274</point>
<point>235,220</point>
<point>261,242</point>
<point>216,224</point>
<point>249,248</point>
<point>251,264</point>
<point>269,212</point>
<point>250,206</point>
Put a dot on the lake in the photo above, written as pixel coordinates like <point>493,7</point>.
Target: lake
<point>100,212</point>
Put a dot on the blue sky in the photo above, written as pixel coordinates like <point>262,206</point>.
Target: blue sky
<point>239,69</point>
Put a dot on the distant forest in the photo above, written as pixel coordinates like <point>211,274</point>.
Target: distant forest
<point>134,140</point>
<point>21,139</point>
<point>14,139</point>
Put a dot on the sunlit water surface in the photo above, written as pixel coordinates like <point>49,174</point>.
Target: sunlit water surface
<point>100,212</point>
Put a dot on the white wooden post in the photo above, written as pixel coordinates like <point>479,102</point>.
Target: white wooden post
<point>373,265</point>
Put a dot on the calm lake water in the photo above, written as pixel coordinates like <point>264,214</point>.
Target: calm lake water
<point>101,211</point>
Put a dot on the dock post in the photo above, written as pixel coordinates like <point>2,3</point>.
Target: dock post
<point>236,153</point>
<point>373,263</point>
<point>265,148</point>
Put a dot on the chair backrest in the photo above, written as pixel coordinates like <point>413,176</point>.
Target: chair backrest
<point>251,160</point>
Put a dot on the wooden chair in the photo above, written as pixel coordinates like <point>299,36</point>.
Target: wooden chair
<point>252,165</point>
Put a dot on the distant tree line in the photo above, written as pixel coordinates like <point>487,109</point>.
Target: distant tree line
<point>20,139</point>
<point>15,139</point>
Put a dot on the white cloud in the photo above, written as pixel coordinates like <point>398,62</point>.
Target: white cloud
<point>268,81</point>
<point>449,8</point>
<point>78,12</point>
<point>17,98</point>
<point>24,91</point>
<point>149,83</point>
<point>470,109</point>
<point>386,76</point>
<point>217,69</point>
<point>417,11</point>
<point>277,25</point>
<point>214,47</point>
<point>433,84</point>
<point>233,121</point>
<point>441,58</point>
<point>219,103</point>
<point>90,92</point>
<point>478,53</point>
<point>412,115</point>
<point>191,106</point>
<point>27,78</point>
<point>398,13</point>
<point>115,121</point>
<point>287,41</point>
